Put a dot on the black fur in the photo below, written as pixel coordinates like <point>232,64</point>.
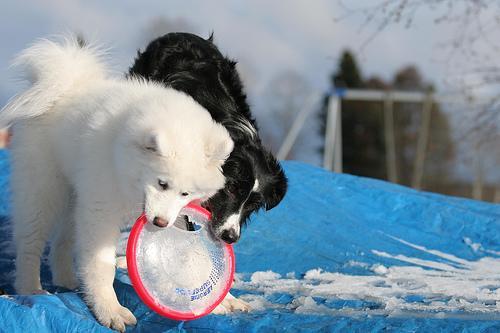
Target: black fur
<point>195,66</point>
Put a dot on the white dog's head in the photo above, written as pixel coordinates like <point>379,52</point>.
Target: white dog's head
<point>169,153</point>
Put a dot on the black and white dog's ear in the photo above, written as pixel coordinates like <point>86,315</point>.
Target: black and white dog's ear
<point>273,183</point>
<point>211,37</point>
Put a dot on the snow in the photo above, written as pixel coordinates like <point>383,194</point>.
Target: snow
<point>379,269</point>
<point>478,247</point>
<point>259,277</point>
<point>447,286</point>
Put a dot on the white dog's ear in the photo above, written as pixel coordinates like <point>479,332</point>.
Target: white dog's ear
<point>217,151</point>
<point>152,143</point>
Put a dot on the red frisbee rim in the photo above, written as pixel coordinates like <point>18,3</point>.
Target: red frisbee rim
<point>144,294</point>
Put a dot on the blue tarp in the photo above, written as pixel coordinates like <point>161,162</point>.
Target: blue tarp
<point>340,253</point>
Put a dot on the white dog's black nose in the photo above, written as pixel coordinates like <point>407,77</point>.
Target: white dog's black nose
<point>229,236</point>
<point>159,222</point>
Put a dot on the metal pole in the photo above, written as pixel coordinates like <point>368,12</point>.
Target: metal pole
<point>337,158</point>
<point>390,141</point>
<point>477,186</point>
<point>330,129</point>
<point>423,137</point>
<point>496,198</point>
<point>297,125</point>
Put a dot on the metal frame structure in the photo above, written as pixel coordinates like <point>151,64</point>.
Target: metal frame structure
<point>333,141</point>
<point>332,157</point>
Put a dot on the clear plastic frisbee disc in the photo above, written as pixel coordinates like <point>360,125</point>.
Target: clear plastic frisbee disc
<point>178,273</point>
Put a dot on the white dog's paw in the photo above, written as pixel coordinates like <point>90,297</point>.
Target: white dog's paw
<point>31,291</point>
<point>114,316</point>
<point>27,283</point>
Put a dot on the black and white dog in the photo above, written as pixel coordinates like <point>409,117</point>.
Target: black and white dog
<point>254,178</point>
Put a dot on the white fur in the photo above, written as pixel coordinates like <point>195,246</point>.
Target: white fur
<point>245,126</point>
<point>87,153</point>
<point>242,124</point>
<point>255,187</point>
<point>233,221</point>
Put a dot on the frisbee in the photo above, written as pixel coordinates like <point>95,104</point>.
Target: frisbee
<point>180,274</point>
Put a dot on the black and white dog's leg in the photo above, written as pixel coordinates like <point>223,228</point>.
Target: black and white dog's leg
<point>231,304</point>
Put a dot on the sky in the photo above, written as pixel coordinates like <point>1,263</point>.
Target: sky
<point>266,37</point>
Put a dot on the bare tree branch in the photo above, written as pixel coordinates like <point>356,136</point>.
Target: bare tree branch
<point>471,53</point>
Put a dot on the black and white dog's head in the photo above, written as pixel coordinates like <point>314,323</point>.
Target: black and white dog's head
<point>254,178</point>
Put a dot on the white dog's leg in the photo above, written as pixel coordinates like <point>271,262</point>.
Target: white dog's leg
<point>62,253</point>
<point>231,304</point>
<point>39,197</point>
<point>97,235</point>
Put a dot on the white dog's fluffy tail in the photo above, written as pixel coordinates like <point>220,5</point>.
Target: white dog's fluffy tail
<point>54,70</point>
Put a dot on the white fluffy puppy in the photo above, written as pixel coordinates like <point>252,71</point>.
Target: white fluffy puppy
<point>89,154</point>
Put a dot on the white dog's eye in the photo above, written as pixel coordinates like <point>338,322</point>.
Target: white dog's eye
<point>163,185</point>
<point>185,194</point>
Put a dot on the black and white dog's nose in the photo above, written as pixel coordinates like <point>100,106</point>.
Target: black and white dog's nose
<point>229,236</point>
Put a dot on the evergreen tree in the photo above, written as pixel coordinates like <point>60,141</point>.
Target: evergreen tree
<point>348,74</point>
<point>362,138</point>
<point>363,145</point>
